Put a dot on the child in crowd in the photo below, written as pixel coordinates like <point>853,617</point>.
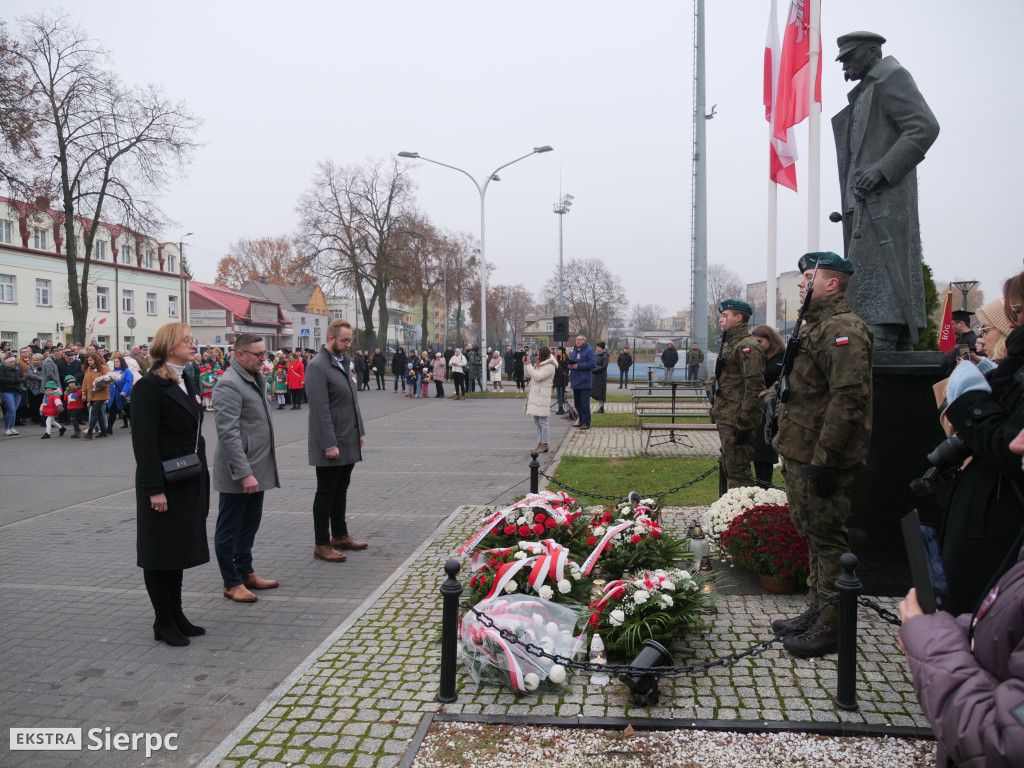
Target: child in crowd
<point>207,381</point>
<point>410,378</point>
<point>51,408</point>
<point>281,384</point>
<point>75,404</point>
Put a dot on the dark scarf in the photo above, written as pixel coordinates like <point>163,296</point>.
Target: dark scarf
<point>1002,375</point>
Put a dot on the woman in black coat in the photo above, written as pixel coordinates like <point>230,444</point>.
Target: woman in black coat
<point>774,351</point>
<point>561,377</point>
<point>171,536</point>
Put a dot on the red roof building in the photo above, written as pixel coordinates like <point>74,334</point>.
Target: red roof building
<point>217,314</point>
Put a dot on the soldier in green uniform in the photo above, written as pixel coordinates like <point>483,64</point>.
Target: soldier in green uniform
<point>824,431</point>
<point>739,380</point>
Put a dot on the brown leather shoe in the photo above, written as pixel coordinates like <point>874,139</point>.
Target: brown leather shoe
<point>253,581</point>
<point>328,553</point>
<point>240,594</point>
<point>347,542</point>
<point>542,448</point>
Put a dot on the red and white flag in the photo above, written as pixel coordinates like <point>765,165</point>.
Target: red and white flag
<point>781,152</point>
<point>947,339</point>
<point>792,102</point>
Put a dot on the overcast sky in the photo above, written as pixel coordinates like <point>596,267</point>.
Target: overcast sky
<point>607,84</point>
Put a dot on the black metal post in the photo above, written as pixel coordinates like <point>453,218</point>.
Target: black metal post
<point>849,587</point>
<point>451,590</point>
<point>534,473</point>
<point>723,480</point>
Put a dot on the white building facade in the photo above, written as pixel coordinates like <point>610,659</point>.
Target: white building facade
<point>135,282</point>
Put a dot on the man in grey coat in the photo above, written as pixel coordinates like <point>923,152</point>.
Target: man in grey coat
<point>335,439</point>
<point>244,466</point>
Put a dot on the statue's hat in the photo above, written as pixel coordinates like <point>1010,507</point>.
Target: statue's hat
<point>853,40</point>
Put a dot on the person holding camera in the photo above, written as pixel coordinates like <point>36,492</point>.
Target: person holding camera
<point>985,405</point>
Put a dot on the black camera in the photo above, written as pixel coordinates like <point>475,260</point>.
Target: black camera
<point>945,459</point>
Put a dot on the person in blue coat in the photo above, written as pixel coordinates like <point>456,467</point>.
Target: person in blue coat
<point>582,360</point>
<point>119,401</point>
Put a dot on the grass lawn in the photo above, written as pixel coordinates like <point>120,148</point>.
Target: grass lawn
<point>645,475</point>
<point>628,420</point>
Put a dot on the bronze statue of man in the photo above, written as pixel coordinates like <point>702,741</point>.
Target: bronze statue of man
<point>881,136</point>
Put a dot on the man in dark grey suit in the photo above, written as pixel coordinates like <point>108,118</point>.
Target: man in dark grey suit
<point>335,439</point>
<point>244,466</point>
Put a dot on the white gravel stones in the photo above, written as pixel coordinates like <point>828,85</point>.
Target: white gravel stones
<point>469,745</point>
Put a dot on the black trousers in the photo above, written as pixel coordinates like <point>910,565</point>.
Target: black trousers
<point>329,502</point>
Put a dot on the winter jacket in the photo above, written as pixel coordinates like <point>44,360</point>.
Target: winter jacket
<point>52,373</point>
<point>541,376</point>
<point>11,378</point>
<point>625,361</point>
<point>437,368</point>
<point>379,362</point>
<point>458,363</point>
<point>51,405</point>
<point>971,685</point>
<point>121,390</point>
<point>985,512</point>
<point>599,376</point>
<point>94,395</point>
<point>562,372</point>
<point>670,357</point>
<point>296,375</point>
<point>585,359</point>
<point>35,379</point>
<point>398,362</point>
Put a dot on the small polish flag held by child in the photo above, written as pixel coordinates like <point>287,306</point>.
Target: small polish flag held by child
<point>842,340</point>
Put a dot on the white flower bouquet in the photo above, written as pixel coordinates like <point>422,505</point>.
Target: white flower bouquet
<point>734,503</point>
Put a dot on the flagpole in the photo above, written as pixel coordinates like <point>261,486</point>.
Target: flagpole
<point>773,239</point>
<point>814,134</point>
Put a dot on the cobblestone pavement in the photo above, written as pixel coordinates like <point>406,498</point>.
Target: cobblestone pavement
<point>615,442</point>
<point>358,700</point>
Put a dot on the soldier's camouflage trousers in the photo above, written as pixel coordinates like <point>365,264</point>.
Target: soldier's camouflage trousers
<point>822,522</point>
<point>736,459</point>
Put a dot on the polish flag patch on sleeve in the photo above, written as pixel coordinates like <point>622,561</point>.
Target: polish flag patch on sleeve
<point>842,340</point>
<point>745,350</point>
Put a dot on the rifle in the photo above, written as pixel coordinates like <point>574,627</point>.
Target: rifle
<point>771,403</point>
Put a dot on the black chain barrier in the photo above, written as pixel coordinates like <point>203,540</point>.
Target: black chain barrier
<point>885,613</point>
<point>618,497</point>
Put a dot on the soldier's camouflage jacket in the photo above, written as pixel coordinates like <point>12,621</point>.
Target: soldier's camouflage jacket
<point>740,379</point>
<point>826,420</point>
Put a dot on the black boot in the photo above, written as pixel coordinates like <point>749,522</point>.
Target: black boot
<point>819,640</point>
<point>186,627</point>
<point>164,627</point>
<point>798,624</point>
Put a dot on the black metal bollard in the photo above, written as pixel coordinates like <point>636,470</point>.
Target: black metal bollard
<point>534,473</point>
<point>451,590</point>
<point>849,587</point>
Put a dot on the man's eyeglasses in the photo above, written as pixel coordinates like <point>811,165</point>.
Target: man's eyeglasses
<point>259,355</point>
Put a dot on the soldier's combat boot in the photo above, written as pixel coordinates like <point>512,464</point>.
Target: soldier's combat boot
<point>798,624</point>
<point>819,640</point>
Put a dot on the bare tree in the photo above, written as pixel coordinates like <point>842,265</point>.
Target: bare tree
<point>20,120</point>
<point>723,284</point>
<point>462,259</point>
<point>594,296</point>
<point>422,265</point>
<point>353,224</point>
<point>112,147</point>
<point>270,259</point>
<point>512,303</point>
<point>647,316</point>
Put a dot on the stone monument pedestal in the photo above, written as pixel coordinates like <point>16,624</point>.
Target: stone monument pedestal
<point>904,430</point>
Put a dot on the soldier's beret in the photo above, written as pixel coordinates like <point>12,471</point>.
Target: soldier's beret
<point>825,260</point>
<point>853,40</point>
<point>737,305</point>
<point>961,316</point>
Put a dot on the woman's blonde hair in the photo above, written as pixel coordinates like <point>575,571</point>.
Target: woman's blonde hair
<point>167,337</point>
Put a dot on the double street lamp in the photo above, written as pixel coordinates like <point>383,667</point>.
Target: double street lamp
<point>482,189</point>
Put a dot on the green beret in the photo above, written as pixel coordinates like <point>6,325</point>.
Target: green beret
<point>737,305</point>
<point>825,260</point>
<point>51,385</point>
<point>853,40</point>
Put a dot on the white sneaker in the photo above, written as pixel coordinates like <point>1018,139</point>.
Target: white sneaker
<point>7,432</point>
<point>15,432</point>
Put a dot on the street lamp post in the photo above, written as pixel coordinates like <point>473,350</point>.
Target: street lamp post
<point>182,303</point>
<point>482,189</point>
<point>561,208</point>
<point>964,286</point>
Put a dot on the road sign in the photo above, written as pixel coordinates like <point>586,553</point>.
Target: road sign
<point>131,322</point>
<point>304,333</point>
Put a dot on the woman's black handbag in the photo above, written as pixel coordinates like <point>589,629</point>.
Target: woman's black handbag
<point>184,467</point>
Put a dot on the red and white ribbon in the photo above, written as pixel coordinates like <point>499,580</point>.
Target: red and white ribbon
<point>588,564</point>
<point>543,500</point>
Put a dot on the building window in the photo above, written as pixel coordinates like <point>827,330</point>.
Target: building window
<point>100,246</point>
<point>127,300</point>
<point>103,299</point>
<point>150,303</point>
<point>150,258</point>
<point>550,327</point>
<point>44,337</point>
<point>172,306</point>
<point>11,336</point>
<point>316,321</point>
<point>129,342</point>
<point>7,285</point>
<point>43,293</point>
<point>126,254</point>
<point>39,242</point>
<point>5,231</point>
<point>170,263</point>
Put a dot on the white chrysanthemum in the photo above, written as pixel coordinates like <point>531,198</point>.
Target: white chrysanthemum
<point>557,674</point>
<point>667,585</point>
<point>647,502</point>
<point>564,586</point>
<point>520,556</point>
<point>521,521</point>
<point>531,681</point>
<point>666,600</point>
<point>511,586</point>
<point>546,592</point>
<point>599,531</point>
<point>616,617</point>
<point>641,596</point>
<point>685,575</point>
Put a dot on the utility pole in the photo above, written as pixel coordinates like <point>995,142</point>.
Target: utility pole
<point>699,241</point>
<point>561,208</point>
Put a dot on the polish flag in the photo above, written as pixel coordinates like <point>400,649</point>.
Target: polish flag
<point>791,93</point>
<point>781,152</point>
<point>947,339</point>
